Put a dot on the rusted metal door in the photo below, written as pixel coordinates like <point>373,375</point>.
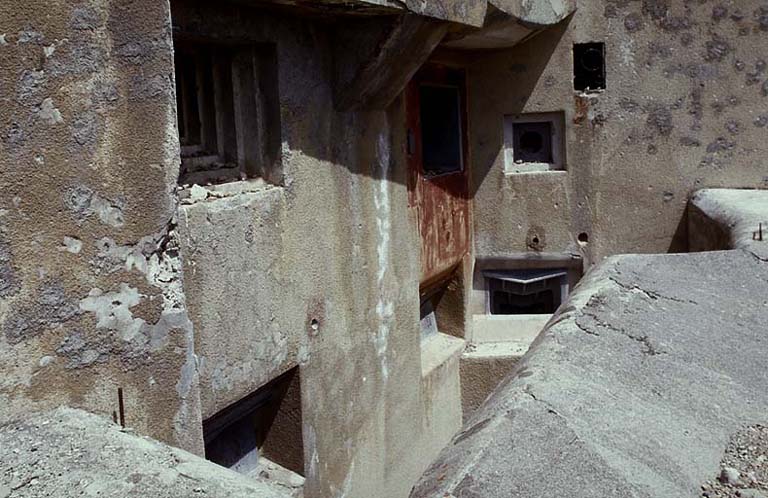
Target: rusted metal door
<point>438,163</point>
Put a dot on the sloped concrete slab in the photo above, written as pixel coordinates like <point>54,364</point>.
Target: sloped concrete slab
<point>70,452</point>
<point>633,389</point>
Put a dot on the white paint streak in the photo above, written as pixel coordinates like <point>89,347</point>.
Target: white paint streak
<point>384,308</point>
<point>627,51</point>
<point>347,484</point>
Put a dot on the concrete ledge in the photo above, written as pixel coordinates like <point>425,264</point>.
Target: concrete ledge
<point>728,219</point>
<point>438,350</point>
<point>634,389</point>
<point>501,328</point>
<point>69,452</point>
<point>483,366</point>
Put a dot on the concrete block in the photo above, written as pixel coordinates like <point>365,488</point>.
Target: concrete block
<point>728,219</point>
<point>232,272</point>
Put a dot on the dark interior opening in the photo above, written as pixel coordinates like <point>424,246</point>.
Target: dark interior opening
<point>526,291</point>
<point>440,115</point>
<point>589,66</point>
<point>266,423</point>
<point>187,99</point>
<point>533,142</point>
<point>506,303</point>
<point>228,110</point>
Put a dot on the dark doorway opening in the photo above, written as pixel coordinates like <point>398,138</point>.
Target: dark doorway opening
<point>440,109</point>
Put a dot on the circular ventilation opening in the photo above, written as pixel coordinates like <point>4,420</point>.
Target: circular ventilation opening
<point>592,60</point>
<point>531,142</point>
<point>583,238</point>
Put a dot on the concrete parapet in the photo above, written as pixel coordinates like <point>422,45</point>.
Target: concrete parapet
<point>728,219</point>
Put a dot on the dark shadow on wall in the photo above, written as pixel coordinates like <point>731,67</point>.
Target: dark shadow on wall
<point>679,241</point>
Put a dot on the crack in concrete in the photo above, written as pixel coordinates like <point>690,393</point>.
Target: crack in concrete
<point>646,341</point>
<point>652,295</point>
<point>648,348</point>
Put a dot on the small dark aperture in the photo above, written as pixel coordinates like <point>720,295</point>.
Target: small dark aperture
<point>583,238</point>
<point>532,142</point>
<point>440,115</point>
<point>589,66</point>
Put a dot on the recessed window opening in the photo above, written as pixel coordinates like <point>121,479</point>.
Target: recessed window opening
<point>526,292</point>
<point>440,116</point>
<point>265,424</point>
<point>534,142</point>
<point>228,112</point>
<point>589,66</point>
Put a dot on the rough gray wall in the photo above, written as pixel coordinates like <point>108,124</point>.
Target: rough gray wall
<point>686,107</point>
<point>336,244</point>
<point>90,298</point>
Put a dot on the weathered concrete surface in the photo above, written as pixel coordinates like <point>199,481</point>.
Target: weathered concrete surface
<point>728,219</point>
<point>334,256</point>
<point>469,12</point>
<point>634,389</point>
<point>483,366</point>
<point>90,275</point>
<point>377,71</point>
<point>507,22</point>
<point>231,248</point>
<point>441,392</point>
<point>536,12</point>
<point>684,109</point>
<point>66,452</point>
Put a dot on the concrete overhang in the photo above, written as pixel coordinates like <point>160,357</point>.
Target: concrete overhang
<point>468,13</point>
<point>393,38</point>
<point>508,22</point>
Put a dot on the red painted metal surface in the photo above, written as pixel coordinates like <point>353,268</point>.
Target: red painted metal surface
<point>441,202</point>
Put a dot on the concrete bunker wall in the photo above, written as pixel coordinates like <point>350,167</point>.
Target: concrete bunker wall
<point>91,297</point>
<point>684,109</point>
<point>90,180</point>
<point>280,276</point>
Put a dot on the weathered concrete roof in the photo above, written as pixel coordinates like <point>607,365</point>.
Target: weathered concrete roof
<point>69,452</point>
<point>633,389</point>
